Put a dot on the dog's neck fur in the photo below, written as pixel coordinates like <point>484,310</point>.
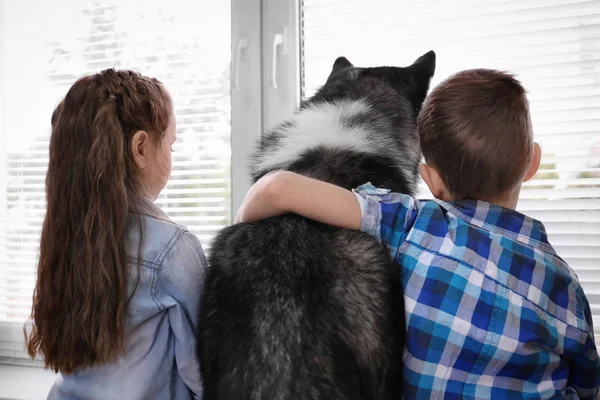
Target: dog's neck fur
<point>347,142</point>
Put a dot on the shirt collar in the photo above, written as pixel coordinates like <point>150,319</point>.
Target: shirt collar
<point>149,208</point>
<point>500,220</point>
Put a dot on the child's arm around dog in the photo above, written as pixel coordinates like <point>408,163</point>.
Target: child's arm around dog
<point>286,192</point>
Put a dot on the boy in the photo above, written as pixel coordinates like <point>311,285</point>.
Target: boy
<point>491,310</point>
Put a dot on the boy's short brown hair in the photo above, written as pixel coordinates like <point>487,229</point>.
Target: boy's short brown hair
<point>475,129</point>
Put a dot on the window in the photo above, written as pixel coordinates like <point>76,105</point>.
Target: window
<point>553,46</point>
<point>46,46</point>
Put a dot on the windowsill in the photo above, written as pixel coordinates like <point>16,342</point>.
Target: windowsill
<point>25,382</point>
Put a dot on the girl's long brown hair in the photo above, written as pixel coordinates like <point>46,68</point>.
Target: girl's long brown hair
<point>81,294</point>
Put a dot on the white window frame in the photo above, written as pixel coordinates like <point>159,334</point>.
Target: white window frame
<point>265,47</point>
<point>246,95</point>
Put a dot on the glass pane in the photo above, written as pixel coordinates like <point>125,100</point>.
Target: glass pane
<point>48,45</point>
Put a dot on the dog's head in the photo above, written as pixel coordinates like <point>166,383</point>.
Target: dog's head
<point>386,83</point>
<point>359,127</point>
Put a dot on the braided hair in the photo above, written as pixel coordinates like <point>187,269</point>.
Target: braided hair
<point>80,298</point>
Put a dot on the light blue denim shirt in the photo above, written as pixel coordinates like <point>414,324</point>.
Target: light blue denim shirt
<point>160,356</point>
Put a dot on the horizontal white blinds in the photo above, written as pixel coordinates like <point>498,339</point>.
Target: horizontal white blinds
<point>51,44</point>
<point>553,46</point>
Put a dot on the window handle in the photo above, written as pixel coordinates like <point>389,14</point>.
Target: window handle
<point>238,47</point>
<point>278,50</point>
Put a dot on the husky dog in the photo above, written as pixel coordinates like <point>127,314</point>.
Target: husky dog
<point>295,309</point>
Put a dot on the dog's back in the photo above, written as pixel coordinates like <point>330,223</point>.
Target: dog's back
<point>295,309</point>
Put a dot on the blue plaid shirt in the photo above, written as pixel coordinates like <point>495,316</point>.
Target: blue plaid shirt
<point>492,311</point>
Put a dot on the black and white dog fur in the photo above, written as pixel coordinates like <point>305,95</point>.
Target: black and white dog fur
<point>295,309</point>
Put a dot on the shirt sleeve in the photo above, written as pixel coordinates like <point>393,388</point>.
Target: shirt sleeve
<point>584,374</point>
<point>183,281</point>
<point>386,216</point>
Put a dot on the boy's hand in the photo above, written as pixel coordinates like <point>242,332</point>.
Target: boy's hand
<point>259,202</point>
<point>284,192</point>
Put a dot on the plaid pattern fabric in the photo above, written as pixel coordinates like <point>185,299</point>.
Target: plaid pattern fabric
<point>491,310</point>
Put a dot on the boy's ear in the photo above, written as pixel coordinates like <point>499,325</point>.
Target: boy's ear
<point>535,162</point>
<point>435,182</point>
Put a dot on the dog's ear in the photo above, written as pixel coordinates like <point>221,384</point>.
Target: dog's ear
<point>422,71</point>
<point>425,64</point>
<point>340,64</point>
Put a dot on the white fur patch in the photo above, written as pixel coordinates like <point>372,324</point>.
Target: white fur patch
<point>321,125</point>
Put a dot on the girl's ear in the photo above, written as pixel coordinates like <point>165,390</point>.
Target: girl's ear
<point>140,146</point>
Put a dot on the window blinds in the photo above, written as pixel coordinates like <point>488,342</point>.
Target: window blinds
<point>553,46</point>
<point>46,46</point>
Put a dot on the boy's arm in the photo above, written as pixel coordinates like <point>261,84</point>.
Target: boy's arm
<point>286,192</point>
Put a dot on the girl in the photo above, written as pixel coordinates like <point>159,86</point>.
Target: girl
<point>114,308</point>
